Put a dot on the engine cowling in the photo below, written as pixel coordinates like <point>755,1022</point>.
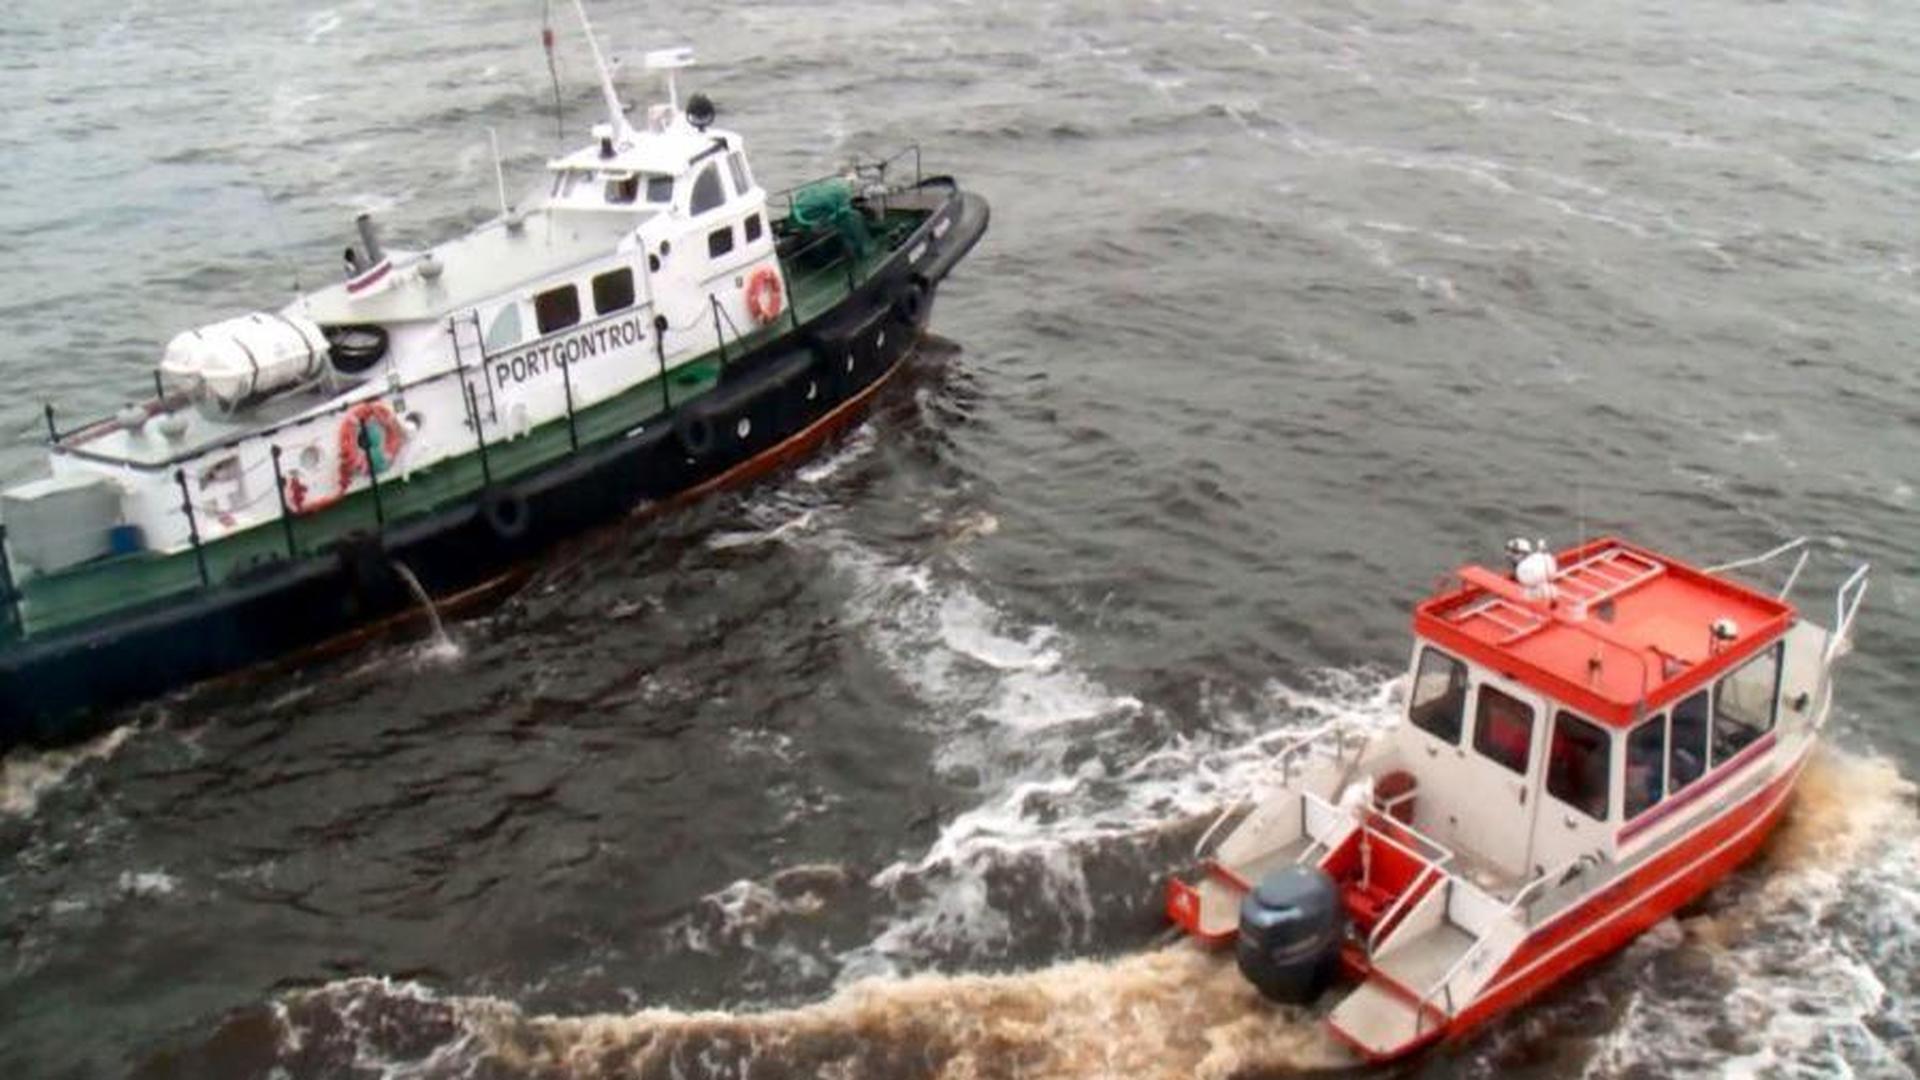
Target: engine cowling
<point>1290,931</point>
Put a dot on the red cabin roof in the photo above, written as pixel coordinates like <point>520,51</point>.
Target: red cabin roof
<point>1623,631</point>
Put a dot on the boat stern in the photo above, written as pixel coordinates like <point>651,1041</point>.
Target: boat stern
<point>1207,909</point>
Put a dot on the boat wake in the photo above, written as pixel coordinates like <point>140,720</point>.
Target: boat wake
<point>1173,1013</point>
<point>1808,963</point>
<point>1803,966</point>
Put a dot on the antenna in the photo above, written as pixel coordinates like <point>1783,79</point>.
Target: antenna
<point>499,175</point>
<point>670,61</point>
<point>1580,508</point>
<point>280,243</point>
<point>614,112</point>
<point>553,72</point>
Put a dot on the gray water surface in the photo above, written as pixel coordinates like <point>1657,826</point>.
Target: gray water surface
<point>1285,312</point>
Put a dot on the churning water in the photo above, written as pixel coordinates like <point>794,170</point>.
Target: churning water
<point>875,770</point>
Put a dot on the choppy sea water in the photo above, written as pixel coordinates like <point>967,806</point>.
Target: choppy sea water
<point>874,771</point>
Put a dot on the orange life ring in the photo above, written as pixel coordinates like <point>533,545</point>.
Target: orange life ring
<point>764,300</point>
<point>374,456</point>
<point>355,460</point>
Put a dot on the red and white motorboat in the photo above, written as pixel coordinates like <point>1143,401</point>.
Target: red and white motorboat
<point>1590,740</point>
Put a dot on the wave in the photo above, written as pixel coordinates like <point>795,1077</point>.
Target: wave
<point>1809,963</point>
<point>27,774</point>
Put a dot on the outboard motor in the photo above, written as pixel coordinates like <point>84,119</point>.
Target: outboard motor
<point>1290,931</point>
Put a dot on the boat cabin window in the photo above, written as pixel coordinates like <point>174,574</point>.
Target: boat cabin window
<point>1687,743</point>
<point>623,188</point>
<point>1743,704</point>
<point>1646,767</point>
<point>613,291</point>
<point>719,242</point>
<point>504,334</point>
<point>659,189</point>
<point>556,309</point>
<point>1503,729</point>
<point>707,191</point>
<point>753,227</point>
<point>737,164</point>
<point>1439,695</point>
<point>1579,765</point>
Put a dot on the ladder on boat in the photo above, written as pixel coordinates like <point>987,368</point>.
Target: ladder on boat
<point>1590,582</point>
<point>470,356</point>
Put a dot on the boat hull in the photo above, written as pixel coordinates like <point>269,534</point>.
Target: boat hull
<point>774,405</point>
<point>1608,921</point>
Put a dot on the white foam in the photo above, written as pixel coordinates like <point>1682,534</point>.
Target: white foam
<point>1803,952</point>
<point>1046,820</point>
<point>148,884</point>
<point>322,23</point>
<point>27,774</point>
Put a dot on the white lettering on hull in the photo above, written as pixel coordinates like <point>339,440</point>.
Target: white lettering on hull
<point>549,356</point>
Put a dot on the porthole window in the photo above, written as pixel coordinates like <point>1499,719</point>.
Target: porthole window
<point>659,189</point>
<point>719,242</point>
<point>707,191</point>
<point>613,291</point>
<point>744,428</point>
<point>753,227</point>
<point>557,309</point>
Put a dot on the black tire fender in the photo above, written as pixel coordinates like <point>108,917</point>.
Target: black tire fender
<point>910,302</point>
<point>356,348</point>
<point>506,513</point>
<point>365,567</point>
<point>695,432</point>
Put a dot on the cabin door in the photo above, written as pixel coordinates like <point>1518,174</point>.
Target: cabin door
<point>1576,794</point>
<point>1499,773</point>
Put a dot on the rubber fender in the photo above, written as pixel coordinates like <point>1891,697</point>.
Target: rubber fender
<point>506,513</point>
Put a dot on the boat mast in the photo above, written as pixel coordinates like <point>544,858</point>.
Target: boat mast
<point>614,113</point>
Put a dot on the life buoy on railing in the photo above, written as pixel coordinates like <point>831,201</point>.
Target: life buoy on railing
<point>764,298</point>
<point>370,438</point>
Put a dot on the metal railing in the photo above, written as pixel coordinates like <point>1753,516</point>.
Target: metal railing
<point>877,167</point>
<point>1392,916</point>
<point>1846,599</point>
<point>1846,606</point>
<point>13,625</point>
<point>1798,543</point>
<point>1284,760</point>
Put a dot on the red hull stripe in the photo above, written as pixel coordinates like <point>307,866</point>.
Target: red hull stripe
<point>370,278</point>
<point>1549,954</point>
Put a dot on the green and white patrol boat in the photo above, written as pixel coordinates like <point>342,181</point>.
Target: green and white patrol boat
<point>655,324</point>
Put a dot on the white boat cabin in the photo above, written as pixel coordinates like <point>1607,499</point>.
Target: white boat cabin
<point>1569,712</point>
